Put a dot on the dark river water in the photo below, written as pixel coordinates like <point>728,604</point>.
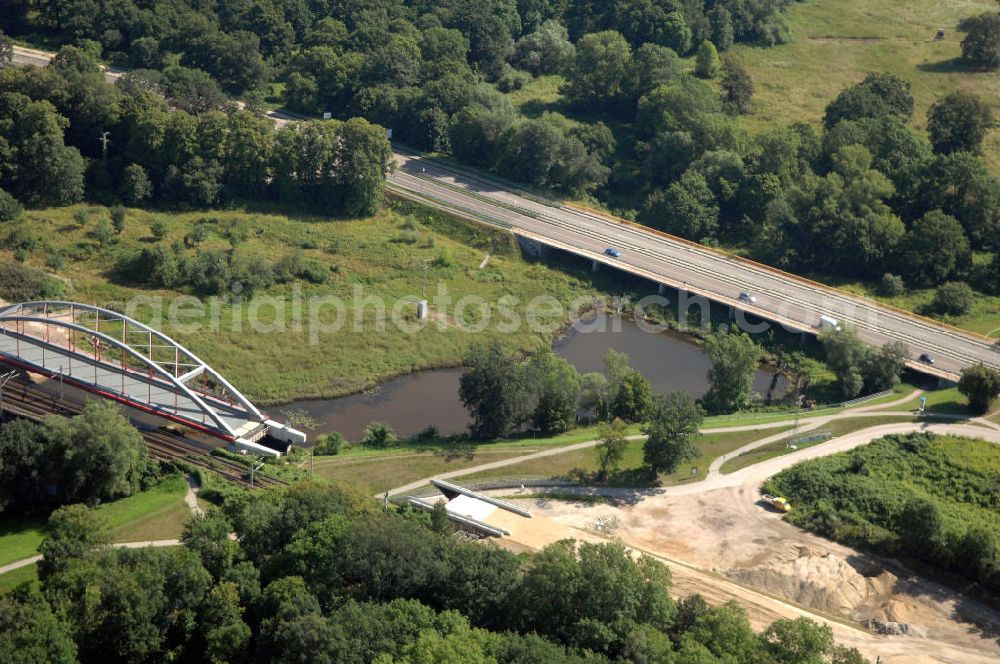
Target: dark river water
<point>413,402</point>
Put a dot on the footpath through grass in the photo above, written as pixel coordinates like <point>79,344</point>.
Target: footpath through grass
<point>159,513</point>
<point>835,429</point>
<point>583,463</point>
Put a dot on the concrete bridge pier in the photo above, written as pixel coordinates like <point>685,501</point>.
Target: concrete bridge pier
<point>595,266</point>
<point>732,312</point>
<point>661,289</point>
<point>530,247</point>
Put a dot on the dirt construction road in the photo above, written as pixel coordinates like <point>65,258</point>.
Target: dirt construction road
<point>720,542</point>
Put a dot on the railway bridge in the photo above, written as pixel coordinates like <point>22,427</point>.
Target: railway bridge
<point>117,357</point>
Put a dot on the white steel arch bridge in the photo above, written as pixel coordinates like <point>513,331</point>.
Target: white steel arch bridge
<point>117,357</point>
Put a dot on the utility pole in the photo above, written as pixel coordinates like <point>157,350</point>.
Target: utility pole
<point>256,464</point>
<point>4,379</point>
<point>103,140</point>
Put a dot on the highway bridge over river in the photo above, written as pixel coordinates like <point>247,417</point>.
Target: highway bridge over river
<point>781,297</point>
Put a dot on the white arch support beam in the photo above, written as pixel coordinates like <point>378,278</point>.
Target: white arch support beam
<point>114,362</point>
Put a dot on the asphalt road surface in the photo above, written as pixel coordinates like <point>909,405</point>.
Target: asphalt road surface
<point>782,298</point>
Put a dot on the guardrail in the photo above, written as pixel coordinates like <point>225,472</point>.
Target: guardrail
<point>781,414</point>
<point>507,482</point>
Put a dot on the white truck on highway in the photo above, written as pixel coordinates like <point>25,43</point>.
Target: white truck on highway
<point>828,324</point>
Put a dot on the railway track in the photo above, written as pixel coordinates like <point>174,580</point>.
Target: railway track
<point>20,399</point>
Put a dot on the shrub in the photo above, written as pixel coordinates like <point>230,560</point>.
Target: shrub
<point>55,262</point>
<point>379,435</point>
<point>10,208</point>
<point>118,218</point>
<point>892,285</point>
<point>103,232</point>
<point>159,229</point>
<point>288,267</point>
<point>329,445</point>
<point>407,237</point>
<point>955,298</point>
<point>199,233</point>
<point>21,283</point>
<point>314,272</point>
<point>444,258</point>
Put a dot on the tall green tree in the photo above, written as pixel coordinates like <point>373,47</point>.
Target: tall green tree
<point>39,168</point>
<point>24,458</point>
<point>877,95</point>
<point>735,360</point>
<point>103,455</point>
<point>31,633</point>
<point>980,385</point>
<point>707,63</point>
<point>600,73</point>
<point>556,384</point>
<point>611,448</point>
<point>737,86</point>
<point>570,589</point>
<point>494,390</point>
<point>935,249</point>
<point>846,356</point>
<point>687,208</point>
<point>981,45</point>
<point>958,122</point>
<point>73,532</point>
<point>673,421</point>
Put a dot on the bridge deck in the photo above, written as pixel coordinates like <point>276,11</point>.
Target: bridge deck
<point>132,387</point>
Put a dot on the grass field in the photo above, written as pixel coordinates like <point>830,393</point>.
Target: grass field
<point>159,513</point>
<point>835,429</point>
<point>381,473</point>
<point>948,401</point>
<point>12,580</point>
<point>710,447</point>
<point>837,43</point>
<point>390,257</point>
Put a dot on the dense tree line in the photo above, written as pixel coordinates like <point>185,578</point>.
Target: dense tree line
<point>317,574</point>
<point>94,456</point>
<point>504,393</point>
<point>910,495</point>
<point>864,197</point>
<point>54,121</point>
<point>861,368</point>
<point>433,72</point>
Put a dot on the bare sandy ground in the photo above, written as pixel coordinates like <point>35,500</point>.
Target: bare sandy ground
<point>721,542</point>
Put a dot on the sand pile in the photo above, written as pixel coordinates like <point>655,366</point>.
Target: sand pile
<point>820,580</point>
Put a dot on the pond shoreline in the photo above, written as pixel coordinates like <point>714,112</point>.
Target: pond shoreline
<point>671,359</point>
